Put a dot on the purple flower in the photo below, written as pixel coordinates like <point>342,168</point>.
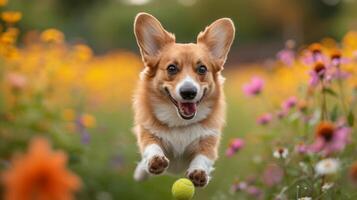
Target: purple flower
<point>254,87</point>
<point>301,148</point>
<point>317,74</point>
<point>330,139</point>
<point>289,103</point>
<point>286,56</point>
<point>264,119</point>
<point>273,175</point>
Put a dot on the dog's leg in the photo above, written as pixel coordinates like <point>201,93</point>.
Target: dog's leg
<point>153,159</point>
<point>203,159</point>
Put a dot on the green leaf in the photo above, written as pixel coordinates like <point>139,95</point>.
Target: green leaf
<point>330,92</point>
<point>350,118</point>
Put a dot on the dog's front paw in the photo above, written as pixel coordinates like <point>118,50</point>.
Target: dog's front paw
<point>158,164</point>
<point>198,177</point>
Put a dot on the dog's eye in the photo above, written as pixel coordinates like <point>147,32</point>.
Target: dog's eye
<point>202,70</point>
<point>172,69</point>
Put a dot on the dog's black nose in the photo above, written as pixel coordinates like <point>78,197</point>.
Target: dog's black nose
<point>188,91</point>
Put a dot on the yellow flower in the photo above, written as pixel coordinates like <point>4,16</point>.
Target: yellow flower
<point>3,2</point>
<point>350,39</point>
<point>52,35</point>
<point>83,52</point>
<point>11,17</point>
<point>88,120</point>
<point>68,114</point>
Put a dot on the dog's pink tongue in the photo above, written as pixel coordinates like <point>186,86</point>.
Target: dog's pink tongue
<point>188,108</point>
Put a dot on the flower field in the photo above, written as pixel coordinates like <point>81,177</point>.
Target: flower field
<point>65,123</point>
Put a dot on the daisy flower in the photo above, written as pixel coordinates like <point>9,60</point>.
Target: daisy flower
<point>281,153</point>
<point>327,166</point>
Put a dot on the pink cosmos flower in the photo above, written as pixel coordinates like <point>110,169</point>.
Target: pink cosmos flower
<point>254,87</point>
<point>264,119</point>
<point>330,139</point>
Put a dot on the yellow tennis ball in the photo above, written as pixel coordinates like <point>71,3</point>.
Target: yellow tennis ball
<point>183,189</point>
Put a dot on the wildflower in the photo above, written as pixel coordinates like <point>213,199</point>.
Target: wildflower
<point>315,48</point>
<point>327,186</point>
<point>11,17</point>
<point>289,103</point>
<point>281,153</point>
<point>3,2</point>
<point>301,148</point>
<point>254,191</point>
<point>264,119</point>
<point>273,175</point>
<point>353,172</point>
<point>83,52</point>
<point>317,73</point>
<point>330,139</point>
<point>327,166</point>
<point>286,56</point>
<point>88,120</point>
<point>52,36</point>
<point>40,174</point>
<point>254,87</point>
<point>234,146</point>
<point>16,81</point>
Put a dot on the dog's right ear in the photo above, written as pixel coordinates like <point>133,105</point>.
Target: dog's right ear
<point>150,36</point>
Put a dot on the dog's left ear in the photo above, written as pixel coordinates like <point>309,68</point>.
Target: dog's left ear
<point>218,38</point>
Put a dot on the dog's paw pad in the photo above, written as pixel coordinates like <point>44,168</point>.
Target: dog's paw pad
<point>158,164</point>
<point>198,177</point>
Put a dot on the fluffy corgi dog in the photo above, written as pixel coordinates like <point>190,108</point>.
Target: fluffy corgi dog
<point>179,104</point>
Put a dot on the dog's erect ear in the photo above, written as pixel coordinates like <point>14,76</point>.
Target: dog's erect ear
<point>218,38</point>
<point>150,35</point>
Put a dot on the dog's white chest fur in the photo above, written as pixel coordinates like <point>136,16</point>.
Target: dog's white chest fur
<point>179,138</point>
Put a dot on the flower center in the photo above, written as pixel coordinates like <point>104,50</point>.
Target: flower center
<point>319,69</point>
<point>326,131</point>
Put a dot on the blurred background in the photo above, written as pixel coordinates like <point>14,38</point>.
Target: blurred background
<point>68,70</point>
<point>107,24</point>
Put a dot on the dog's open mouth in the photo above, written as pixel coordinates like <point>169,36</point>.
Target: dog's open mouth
<point>186,110</point>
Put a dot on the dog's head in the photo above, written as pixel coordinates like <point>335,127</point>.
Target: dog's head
<point>184,74</point>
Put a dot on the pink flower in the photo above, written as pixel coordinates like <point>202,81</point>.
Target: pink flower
<point>264,119</point>
<point>254,87</point>
<point>286,56</point>
<point>330,139</point>
<point>273,174</point>
<point>301,148</point>
<point>235,145</point>
<point>289,103</point>
<point>17,81</point>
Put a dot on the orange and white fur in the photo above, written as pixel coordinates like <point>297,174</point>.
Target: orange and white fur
<point>179,103</point>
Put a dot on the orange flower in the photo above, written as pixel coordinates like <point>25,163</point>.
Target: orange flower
<point>52,35</point>
<point>40,174</point>
<point>3,2</point>
<point>11,16</point>
<point>88,120</point>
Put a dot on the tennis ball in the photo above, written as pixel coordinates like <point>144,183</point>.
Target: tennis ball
<point>183,189</point>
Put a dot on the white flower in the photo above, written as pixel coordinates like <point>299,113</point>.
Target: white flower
<point>305,198</point>
<point>327,186</point>
<point>281,153</point>
<point>327,166</point>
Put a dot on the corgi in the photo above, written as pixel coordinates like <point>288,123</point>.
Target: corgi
<point>179,104</point>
